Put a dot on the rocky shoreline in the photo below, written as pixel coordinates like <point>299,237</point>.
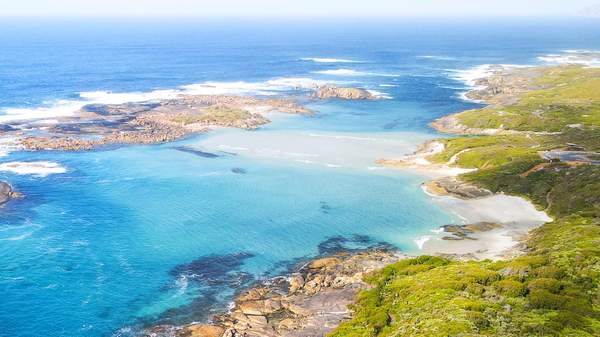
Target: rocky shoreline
<point>502,87</point>
<point>97,125</point>
<point>309,302</point>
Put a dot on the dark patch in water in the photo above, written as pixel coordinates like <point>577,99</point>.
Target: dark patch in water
<point>325,208</point>
<point>219,276</point>
<point>238,170</point>
<point>392,125</point>
<point>354,243</point>
<point>213,269</point>
<point>105,313</point>
<point>197,152</point>
<point>6,127</point>
<point>331,246</point>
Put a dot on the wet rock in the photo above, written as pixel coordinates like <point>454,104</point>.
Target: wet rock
<point>201,330</point>
<point>296,283</point>
<point>326,262</point>
<point>7,192</point>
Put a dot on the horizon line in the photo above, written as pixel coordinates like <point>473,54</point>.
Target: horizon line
<point>301,16</point>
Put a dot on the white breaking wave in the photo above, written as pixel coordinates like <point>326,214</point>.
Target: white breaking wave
<point>7,145</point>
<point>379,94</point>
<point>420,241</point>
<point>470,76</point>
<point>435,57</point>
<point>328,60</point>
<point>37,168</point>
<point>589,58</point>
<point>65,108</point>
<point>351,72</point>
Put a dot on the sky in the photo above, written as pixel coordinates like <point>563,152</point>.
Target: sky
<point>287,8</point>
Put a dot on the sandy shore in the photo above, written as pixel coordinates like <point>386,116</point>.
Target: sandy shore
<point>514,216</point>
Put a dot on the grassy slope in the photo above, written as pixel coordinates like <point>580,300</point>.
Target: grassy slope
<point>551,291</point>
<point>571,96</point>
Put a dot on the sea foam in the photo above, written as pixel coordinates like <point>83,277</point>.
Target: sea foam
<point>36,168</point>
<point>588,58</point>
<point>65,108</point>
<point>420,241</point>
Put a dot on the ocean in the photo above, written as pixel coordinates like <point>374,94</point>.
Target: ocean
<point>110,241</point>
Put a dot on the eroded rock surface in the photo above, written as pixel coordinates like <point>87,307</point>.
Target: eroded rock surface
<point>326,92</point>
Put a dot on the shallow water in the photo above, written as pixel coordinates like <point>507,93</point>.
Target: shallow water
<point>140,234</point>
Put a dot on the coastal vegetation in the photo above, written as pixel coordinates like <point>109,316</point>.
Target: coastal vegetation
<point>561,96</point>
<point>216,114</point>
<point>553,288</point>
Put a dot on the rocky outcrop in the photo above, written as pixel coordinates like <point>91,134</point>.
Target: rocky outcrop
<point>505,84</point>
<point>326,92</point>
<point>456,188</point>
<point>464,232</point>
<point>310,302</point>
<point>148,123</point>
<point>7,193</point>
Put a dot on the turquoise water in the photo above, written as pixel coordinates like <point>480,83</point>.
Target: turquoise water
<point>136,235</point>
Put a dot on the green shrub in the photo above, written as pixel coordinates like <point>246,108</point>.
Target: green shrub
<point>543,299</point>
<point>549,284</point>
<point>510,288</point>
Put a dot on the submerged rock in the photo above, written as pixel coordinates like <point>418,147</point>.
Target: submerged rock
<point>200,153</point>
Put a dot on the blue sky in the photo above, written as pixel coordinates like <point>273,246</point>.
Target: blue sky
<point>394,8</point>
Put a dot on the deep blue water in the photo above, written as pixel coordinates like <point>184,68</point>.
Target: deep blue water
<point>141,234</point>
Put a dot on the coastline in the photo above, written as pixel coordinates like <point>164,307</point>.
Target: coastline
<point>513,216</point>
<point>491,226</point>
